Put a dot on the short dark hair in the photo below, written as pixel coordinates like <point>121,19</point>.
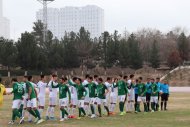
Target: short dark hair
<point>80,80</point>
<point>108,78</point>
<point>87,76</point>
<point>131,76</point>
<point>121,76</point>
<point>125,77</point>
<point>75,78</point>
<point>158,78</point>
<point>91,78</point>
<point>95,76</point>
<point>64,79</point>
<point>25,76</point>
<point>42,76</point>
<point>29,78</point>
<point>0,79</point>
<point>153,79</point>
<point>140,78</point>
<point>100,79</point>
<point>14,80</point>
<point>54,75</point>
<point>137,80</point>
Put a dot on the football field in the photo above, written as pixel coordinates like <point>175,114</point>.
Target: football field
<point>178,115</point>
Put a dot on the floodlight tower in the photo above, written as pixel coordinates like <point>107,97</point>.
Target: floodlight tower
<point>45,3</point>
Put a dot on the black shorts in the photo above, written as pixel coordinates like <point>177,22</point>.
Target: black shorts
<point>136,97</point>
<point>164,97</point>
<point>148,95</point>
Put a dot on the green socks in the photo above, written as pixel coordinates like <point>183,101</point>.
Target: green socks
<point>37,113</point>
<point>63,113</point>
<point>107,109</point>
<point>32,113</point>
<point>82,109</point>
<point>121,106</point>
<point>99,110</point>
<point>145,107</point>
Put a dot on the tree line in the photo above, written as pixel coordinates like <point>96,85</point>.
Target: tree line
<point>146,46</point>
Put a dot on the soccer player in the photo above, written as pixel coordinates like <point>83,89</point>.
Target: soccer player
<point>122,92</point>
<point>17,100</point>
<point>154,95</point>
<point>81,93</point>
<point>141,95</point>
<point>108,84</point>
<point>102,91</point>
<point>131,93</point>
<point>113,96</point>
<point>136,93</point>
<point>95,79</point>
<point>32,100</point>
<point>63,99</point>
<point>2,92</point>
<point>165,94</point>
<point>52,98</point>
<point>86,99</point>
<point>158,83</point>
<point>74,101</point>
<point>92,94</point>
<point>41,85</point>
<point>148,93</point>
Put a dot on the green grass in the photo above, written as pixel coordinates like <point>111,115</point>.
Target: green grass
<point>178,115</point>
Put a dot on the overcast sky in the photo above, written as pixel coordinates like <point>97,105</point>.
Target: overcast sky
<point>132,14</point>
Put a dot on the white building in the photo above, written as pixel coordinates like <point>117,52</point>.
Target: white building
<point>73,18</point>
<point>4,24</point>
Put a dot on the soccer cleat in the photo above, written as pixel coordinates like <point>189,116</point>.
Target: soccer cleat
<point>36,120</point>
<point>61,120</point>
<point>121,114</point>
<point>40,121</point>
<point>136,112</point>
<point>152,111</point>
<point>79,118</point>
<point>11,122</point>
<point>66,118</point>
<point>93,116</point>
<point>21,120</point>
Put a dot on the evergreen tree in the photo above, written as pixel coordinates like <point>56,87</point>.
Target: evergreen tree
<point>154,57</point>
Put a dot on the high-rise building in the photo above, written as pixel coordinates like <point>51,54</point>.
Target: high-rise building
<point>73,18</point>
<point>4,23</point>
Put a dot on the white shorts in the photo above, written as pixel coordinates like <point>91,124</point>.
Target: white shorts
<point>24,102</point>
<point>74,101</point>
<point>92,100</point>
<point>154,99</point>
<point>81,103</point>
<point>52,100</point>
<point>87,99</point>
<point>16,104</point>
<point>41,101</point>
<point>101,101</point>
<point>32,103</point>
<point>113,99</point>
<point>63,102</point>
<point>141,99</point>
<point>121,98</point>
<point>131,95</point>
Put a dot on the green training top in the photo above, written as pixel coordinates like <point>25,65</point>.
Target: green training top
<point>154,89</point>
<point>33,93</point>
<point>101,88</point>
<point>122,87</point>
<point>141,89</point>
<point>18,91</point>
<point>92,89</point>
<point>63,90</point>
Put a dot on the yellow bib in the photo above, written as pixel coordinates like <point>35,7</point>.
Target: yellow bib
<point>2,91</point>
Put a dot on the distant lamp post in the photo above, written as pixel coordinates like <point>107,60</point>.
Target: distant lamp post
<point>45,3</point>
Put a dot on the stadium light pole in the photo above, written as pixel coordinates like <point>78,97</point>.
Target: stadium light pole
<point>45,3</point>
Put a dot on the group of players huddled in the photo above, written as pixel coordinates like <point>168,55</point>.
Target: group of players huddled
<point>87,95</point>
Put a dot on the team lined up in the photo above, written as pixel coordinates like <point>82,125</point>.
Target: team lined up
<point>86,95</point>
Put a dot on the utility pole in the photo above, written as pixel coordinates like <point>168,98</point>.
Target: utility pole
<point>45,3</point>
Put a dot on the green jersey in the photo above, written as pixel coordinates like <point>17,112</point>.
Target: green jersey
<point>63,90</point>
<point>141,89</point>
<point>17,91</point>
<point>122,87</point>
<point>101,88</point>
<point>81,91</point>
<point>92,89</point>
<point>31,86</point>
<point>154,89</point>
